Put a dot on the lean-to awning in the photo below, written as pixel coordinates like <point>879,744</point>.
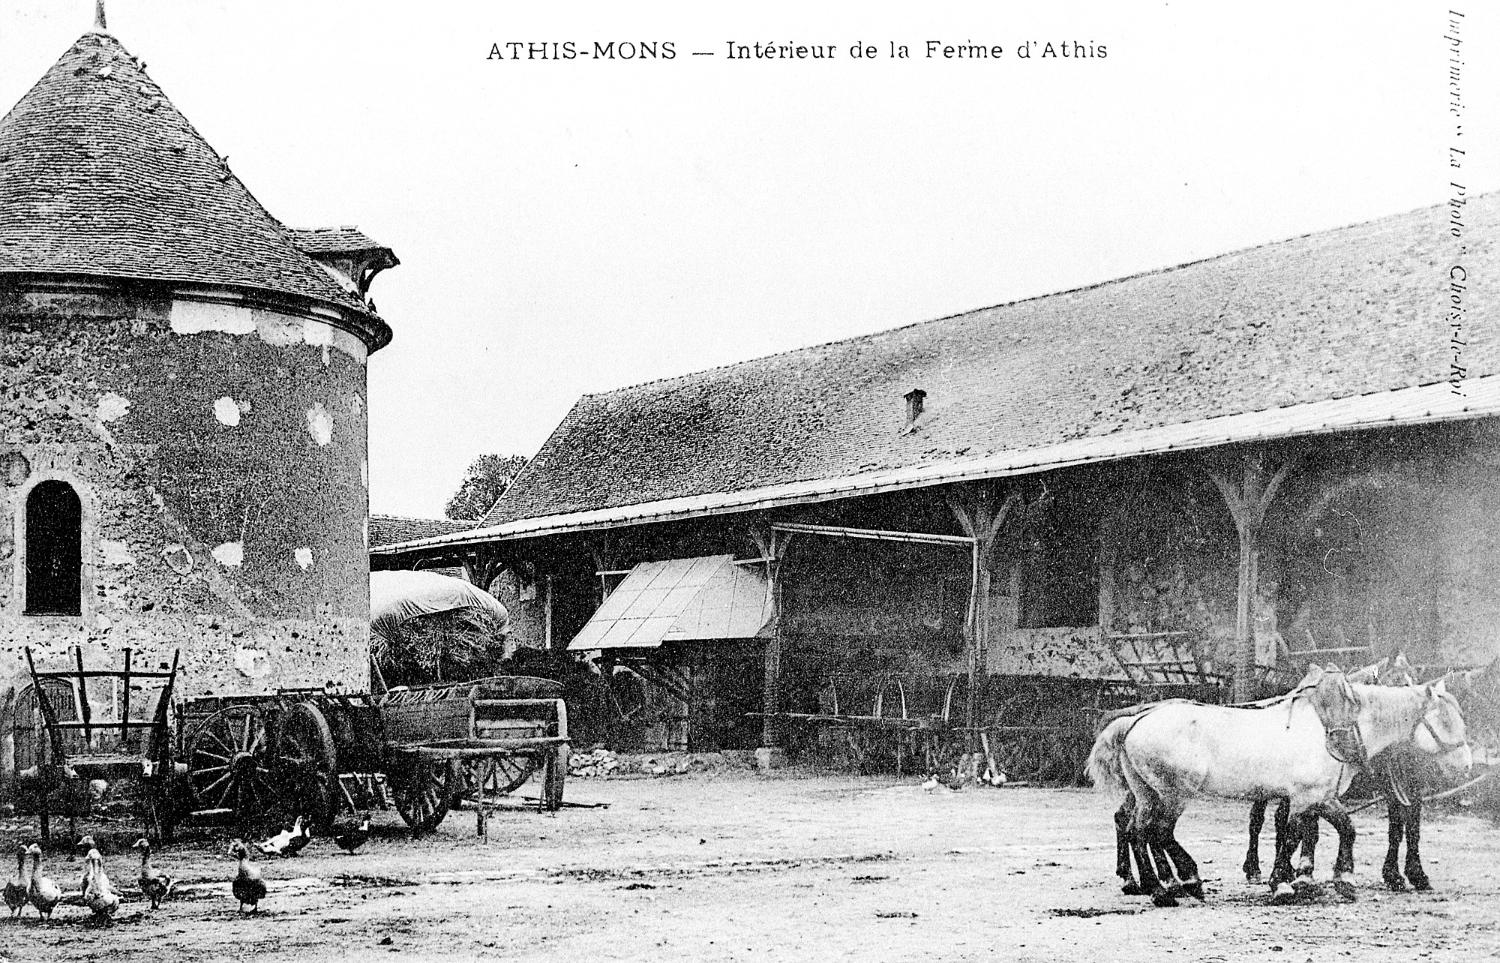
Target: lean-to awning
<point>709,597</point>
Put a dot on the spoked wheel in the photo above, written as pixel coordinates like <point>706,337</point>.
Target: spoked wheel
<point>229,767</point>
<point>423,792</point>
<point>304,766</point>
<point>510,773</point>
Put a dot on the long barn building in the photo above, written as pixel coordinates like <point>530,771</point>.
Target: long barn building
<point>1234,467</point>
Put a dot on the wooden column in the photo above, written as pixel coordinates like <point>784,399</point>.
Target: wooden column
<point>770,546</point>
<point>547,611</point>
<point>981,512</point>
<point>1248,486</point>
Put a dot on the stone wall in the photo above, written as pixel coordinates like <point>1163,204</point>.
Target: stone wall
<point>219,452</point>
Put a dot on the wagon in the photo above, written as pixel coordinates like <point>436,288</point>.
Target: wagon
<point>299,752</point>
<point>77,727</point>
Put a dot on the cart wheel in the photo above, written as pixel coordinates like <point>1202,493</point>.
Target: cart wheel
<point>552,783</point>
<point>305,766</point>
<point>423,791</point>
<point>228,764</point>
<point>510,773</point>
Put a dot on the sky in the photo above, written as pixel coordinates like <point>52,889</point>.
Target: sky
<point>570,226</point>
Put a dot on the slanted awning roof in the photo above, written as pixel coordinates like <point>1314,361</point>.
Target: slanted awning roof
<point>677,600</point>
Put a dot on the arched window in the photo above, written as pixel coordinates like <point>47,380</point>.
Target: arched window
<point>54,550</point>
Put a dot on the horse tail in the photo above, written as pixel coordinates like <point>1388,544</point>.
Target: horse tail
<point>1105,768</point>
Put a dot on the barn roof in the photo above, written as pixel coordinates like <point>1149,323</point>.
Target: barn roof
<point>101,176</point>
<point>390,529</point>
<point>1351,312</point>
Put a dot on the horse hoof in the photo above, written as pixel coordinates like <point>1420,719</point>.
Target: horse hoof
<point>1283,894</point>
<point>1132,888</point>
<point>1346,890</point>
<point>1301,883</point>
<point>1164,899</point>
<point>1194,889</point>
<point>1421,884</point>
<point>1394,883</point>
<point>1255,879</point>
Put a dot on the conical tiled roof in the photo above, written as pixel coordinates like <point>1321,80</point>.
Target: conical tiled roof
<point>101,175</point>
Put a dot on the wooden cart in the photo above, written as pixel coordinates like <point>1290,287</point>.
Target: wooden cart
<point>78,725</point>
<point>298,752</point>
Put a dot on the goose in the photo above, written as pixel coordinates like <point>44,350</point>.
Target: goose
<point>154,886</point>
<point>85,846</point>
<point>99,894</point>
<point>248,887</point>
<point>17,888</point>
<point>43,892</point>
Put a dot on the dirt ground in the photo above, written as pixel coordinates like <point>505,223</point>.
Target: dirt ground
<point>741,866</point>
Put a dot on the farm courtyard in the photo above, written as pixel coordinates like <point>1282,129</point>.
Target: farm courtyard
<point>734,865</point>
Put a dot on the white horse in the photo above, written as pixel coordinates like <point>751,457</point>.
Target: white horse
<point>1306,750</point>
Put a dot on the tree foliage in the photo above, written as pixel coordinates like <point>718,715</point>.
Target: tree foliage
<point>485,480</point>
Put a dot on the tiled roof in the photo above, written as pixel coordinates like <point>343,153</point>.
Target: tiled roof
<point>100,175</point>
<point>1346,312</point>
<point>390,529</point>
<point>333,240</point>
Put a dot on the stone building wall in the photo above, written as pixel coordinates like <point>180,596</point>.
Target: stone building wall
<point>219,451</point>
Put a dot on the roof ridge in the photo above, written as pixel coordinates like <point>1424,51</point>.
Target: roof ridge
<point>1151,272</point>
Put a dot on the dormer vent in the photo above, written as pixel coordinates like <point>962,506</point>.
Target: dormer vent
<point>914,399</point>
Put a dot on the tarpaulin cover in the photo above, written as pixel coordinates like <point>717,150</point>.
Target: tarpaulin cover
<point>398,597</point>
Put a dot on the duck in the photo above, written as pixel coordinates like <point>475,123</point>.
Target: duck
<point>43,892</point>
<point>275,845</point>
<point>301,836</point>
<point>154,886</point>
<point>99,894</point>
<point>17,889</point>
<point>354,838</point>
<point>248,887</point>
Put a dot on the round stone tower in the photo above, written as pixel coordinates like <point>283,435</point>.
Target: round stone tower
<point>182,399</point>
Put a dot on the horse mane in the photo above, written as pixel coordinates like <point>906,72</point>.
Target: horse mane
<point>1398,707</point>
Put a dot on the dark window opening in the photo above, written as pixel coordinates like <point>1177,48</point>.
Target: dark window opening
<point>1059,567</point>
<point>54,550</point>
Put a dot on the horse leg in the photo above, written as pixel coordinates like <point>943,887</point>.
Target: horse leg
<point>1159,839</point>
<point>1252,851</point>
<point>1396,817</point>
<point>1414,871</point>
<point>1187,867</point>
<point>1343,867</point>
<point>1289,832</point>
<point>1149,809</point>
<point>1123,868</point>
<point>1309,842</point>
<point>1159,845</point>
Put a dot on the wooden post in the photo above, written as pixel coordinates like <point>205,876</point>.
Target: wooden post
<point>769,546</point>
<point>547,611</point>
<point>1247,498</point>
<point>978,514</point>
